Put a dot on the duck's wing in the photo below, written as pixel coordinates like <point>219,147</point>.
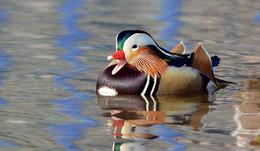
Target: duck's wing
<point>204,63</point>
<point>179,49</point>
<point>179,60</point>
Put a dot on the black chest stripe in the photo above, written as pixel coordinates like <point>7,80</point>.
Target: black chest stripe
<point>154,85</point>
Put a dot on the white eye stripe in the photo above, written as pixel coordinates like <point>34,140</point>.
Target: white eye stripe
<point>140,39</point>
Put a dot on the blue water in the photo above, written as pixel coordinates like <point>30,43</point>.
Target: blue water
<point>5,60</point>
<point>52,52</point>
<point>66,134</point>
<point>166,136</point>
<point>170,16</point>
<point>257,17</point>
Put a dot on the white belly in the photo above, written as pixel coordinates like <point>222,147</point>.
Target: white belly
<point>180,81</point>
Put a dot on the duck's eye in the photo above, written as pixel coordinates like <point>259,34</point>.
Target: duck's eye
<point>134,46</point>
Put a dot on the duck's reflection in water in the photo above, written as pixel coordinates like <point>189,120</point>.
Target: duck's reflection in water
<point>131,116</point>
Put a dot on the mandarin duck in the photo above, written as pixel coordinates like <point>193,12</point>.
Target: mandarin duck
<point>141,66</point>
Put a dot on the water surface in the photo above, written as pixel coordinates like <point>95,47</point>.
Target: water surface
<point>53,51</point>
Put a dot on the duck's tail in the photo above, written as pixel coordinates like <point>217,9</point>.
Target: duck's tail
<point>204,63</point>
<point>215,61</point>
<point>222,83</point>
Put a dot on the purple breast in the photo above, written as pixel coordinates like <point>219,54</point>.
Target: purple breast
<point>126,81</point>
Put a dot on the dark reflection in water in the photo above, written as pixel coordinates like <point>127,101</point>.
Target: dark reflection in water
<point>141,117</point>
<point>66,134</point>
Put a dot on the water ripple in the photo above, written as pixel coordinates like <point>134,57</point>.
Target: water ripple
<point>5,61</point>
<point>257,17</point>
<point>170,14</point>
<point>66,134</point>
<point>4,64</point>
<point>168,135</point>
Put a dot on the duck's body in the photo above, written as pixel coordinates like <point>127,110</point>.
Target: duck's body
<point>140,66</point>
<point>181,80</point>
<point>130,81</point>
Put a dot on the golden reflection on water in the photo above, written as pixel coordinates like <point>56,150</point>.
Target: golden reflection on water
<point>247,114</point>
<point>131,116</point>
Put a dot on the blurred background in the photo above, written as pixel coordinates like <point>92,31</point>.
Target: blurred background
<point>51,53</point>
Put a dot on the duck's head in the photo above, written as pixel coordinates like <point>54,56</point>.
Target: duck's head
<point>138,49</point>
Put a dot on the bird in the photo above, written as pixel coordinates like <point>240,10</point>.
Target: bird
<point>141,67</point>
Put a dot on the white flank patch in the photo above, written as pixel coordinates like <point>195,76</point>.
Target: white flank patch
<point>106,91</point>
